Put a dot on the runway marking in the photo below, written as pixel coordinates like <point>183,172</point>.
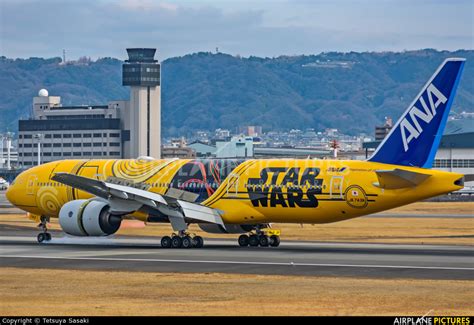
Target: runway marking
<point>242,262</point>
<point>140,242</point>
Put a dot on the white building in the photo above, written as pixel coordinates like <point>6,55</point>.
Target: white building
<point>456,154</point>
<point>203,150</point>
<point>64,132</point>
<point>237,147</point>
<point>8,153</point>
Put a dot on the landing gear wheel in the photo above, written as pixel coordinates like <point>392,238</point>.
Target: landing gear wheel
<point>176,242</point>
<point>187,242</point>
<point>264,241</point>
<point>274,241</point>
<point>166,242</point>
<point>198,242</point>
<point>42,237</point>
<point>243,240</point>
<point>254,240</point>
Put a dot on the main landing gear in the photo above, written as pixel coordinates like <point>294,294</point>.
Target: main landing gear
<point>182,240</point>
<point>44,235</point>
<point>261,237</point>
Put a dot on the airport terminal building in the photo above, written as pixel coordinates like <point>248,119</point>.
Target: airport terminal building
<point>119,129</point>
<point>70,132</point>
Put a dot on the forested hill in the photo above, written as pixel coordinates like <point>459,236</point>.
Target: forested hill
<point>349,91</point>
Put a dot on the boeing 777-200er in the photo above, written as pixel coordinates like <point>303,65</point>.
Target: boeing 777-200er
<point>237,196</point>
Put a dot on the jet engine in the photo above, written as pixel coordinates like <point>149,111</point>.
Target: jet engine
<point>88,218</point>
<point>229,229</point>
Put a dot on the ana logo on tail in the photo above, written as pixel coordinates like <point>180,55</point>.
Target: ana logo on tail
<point>416,136</point>
<point>414,129</point>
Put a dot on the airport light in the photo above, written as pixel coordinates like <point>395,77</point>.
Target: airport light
<point>38,137</point>
<point>8,139</point>
<point>334,144</point>
<point>1,150</point>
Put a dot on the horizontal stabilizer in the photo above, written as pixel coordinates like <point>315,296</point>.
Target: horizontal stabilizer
<point>399,178</point>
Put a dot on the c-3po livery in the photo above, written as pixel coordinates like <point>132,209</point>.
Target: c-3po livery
<point>91,198</point>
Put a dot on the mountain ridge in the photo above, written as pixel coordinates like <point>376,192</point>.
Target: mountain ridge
<point>349,91</point>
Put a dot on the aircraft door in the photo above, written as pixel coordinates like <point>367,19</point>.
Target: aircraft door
<point>233,185</point>
<point>336,187</point>
<point>30,185</point>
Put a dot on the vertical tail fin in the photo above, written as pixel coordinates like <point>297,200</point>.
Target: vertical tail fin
<point>414,139</point>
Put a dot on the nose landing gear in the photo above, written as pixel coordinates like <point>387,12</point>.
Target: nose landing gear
<point>44,235</point>
<point>261,237</point>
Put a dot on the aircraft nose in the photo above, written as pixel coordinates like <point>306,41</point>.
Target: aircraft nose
<point>14,191</point>
<point>10,194</point>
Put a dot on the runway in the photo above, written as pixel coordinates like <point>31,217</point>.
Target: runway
<point>18,248</point>
<point>291,258</point>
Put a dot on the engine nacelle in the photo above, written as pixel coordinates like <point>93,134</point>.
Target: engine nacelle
<point>229,229</point>
<point>88,218</point>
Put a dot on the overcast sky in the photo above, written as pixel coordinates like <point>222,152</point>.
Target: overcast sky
<point>99,28</point>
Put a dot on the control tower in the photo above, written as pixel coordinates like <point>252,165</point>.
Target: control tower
<point>142,73</point>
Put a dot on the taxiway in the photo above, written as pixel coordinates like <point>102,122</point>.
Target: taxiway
<point>291,258</point>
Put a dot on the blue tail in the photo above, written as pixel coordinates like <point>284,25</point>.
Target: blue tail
<point>414,139</point>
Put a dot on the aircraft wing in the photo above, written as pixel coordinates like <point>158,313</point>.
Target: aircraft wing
<point>129,199</point>
<point>399,178</point>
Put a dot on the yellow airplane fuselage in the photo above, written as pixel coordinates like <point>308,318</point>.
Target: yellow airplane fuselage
<point>245,192</point>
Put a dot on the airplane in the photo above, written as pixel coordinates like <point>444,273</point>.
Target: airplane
<point>246,197</point>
